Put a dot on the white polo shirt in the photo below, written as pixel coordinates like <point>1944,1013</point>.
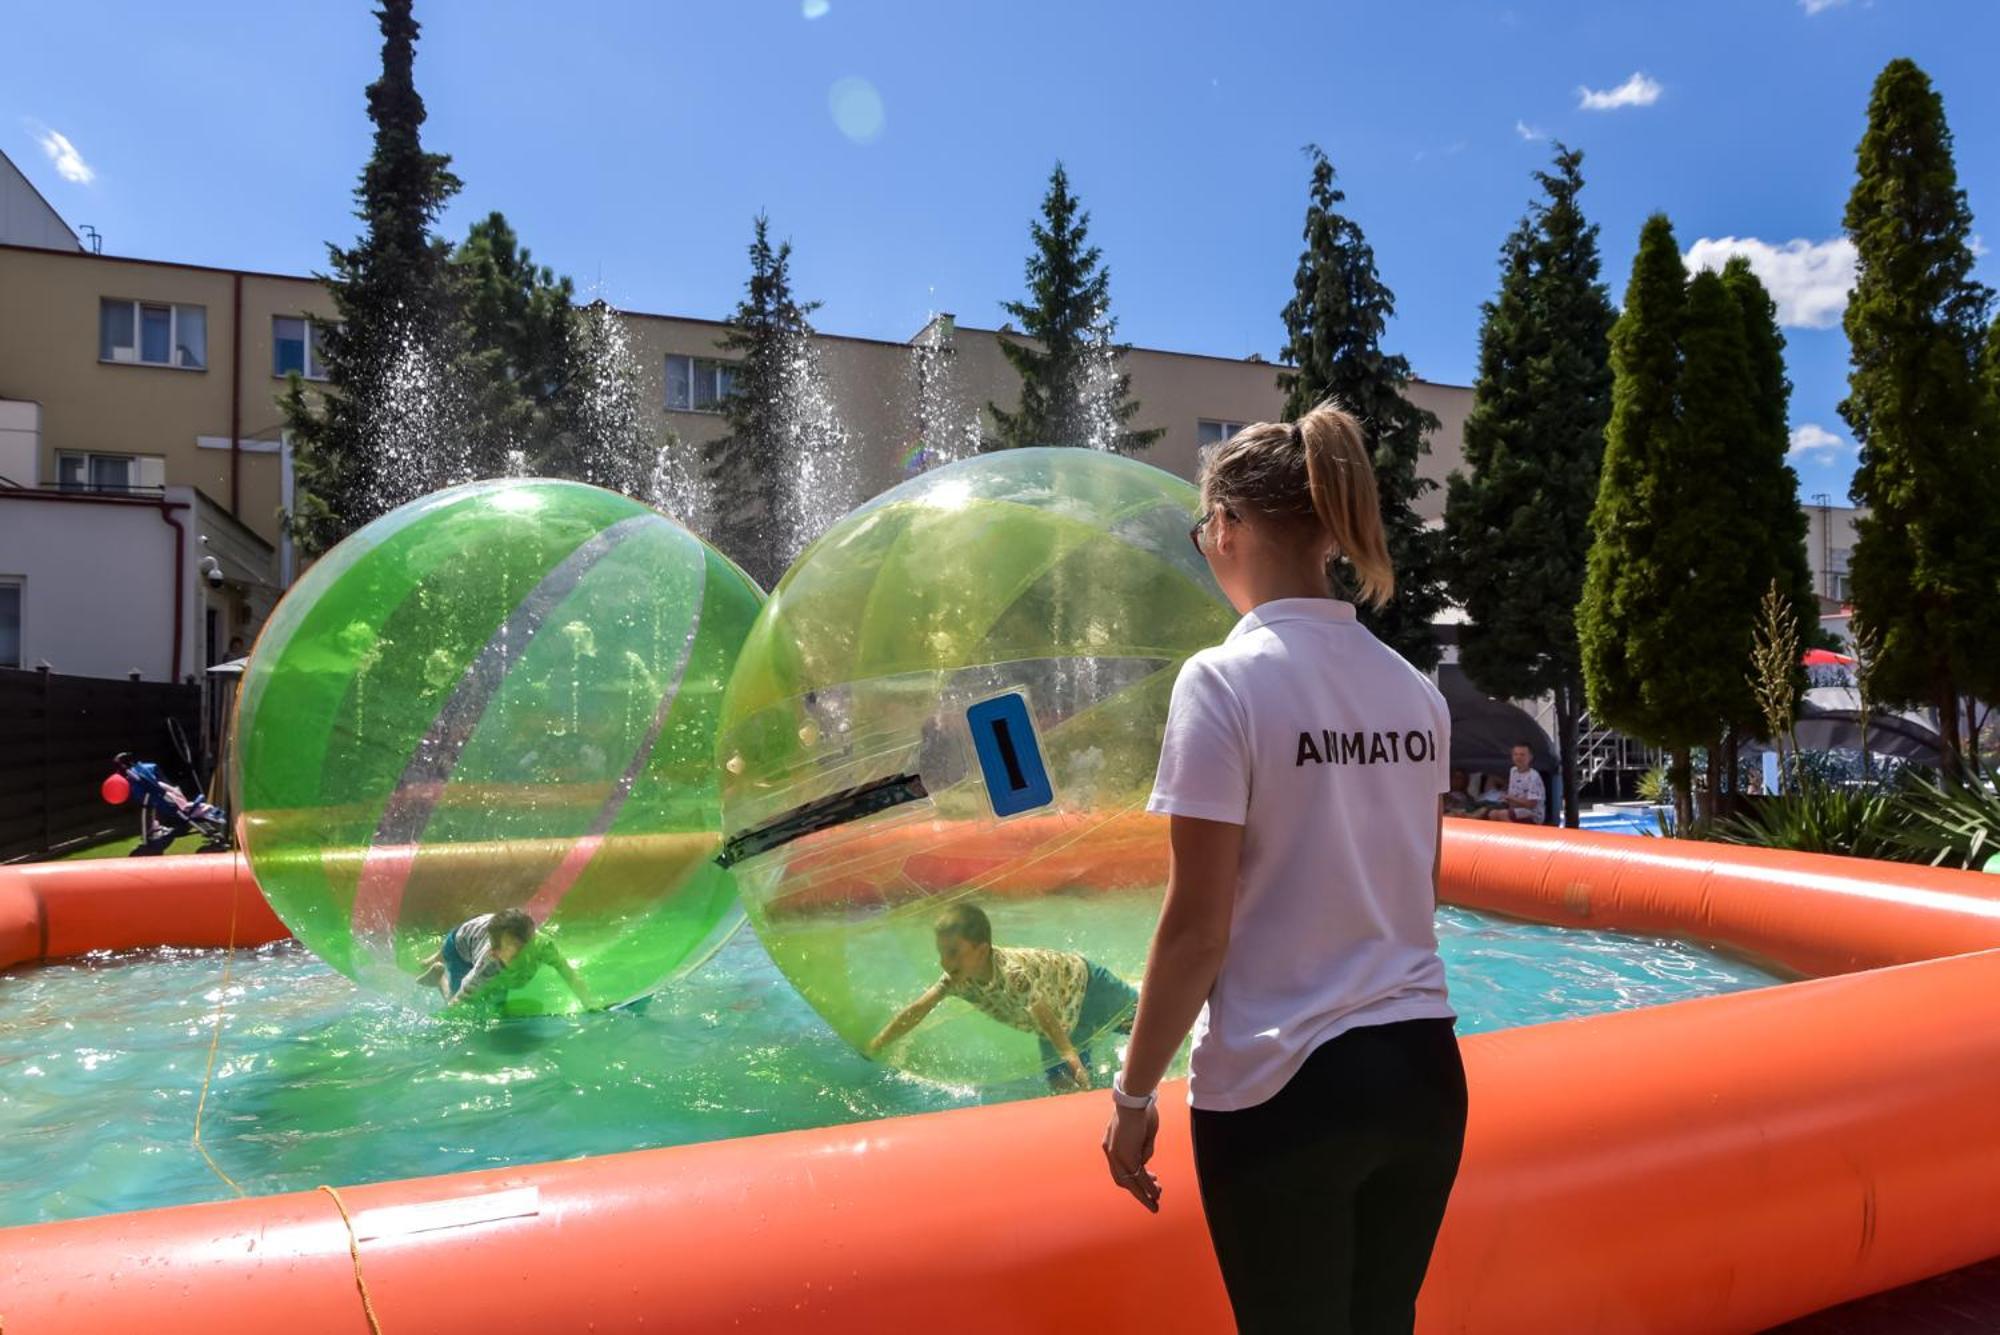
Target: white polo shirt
<point>1331,751</point>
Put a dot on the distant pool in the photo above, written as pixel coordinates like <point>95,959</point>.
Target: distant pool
<point>101,1063</point>
<point>1645,822</point>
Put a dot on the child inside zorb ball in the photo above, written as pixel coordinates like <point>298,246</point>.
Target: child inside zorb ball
<point>1062,998</point>
<point>498,704</point>
<point>952,704</point>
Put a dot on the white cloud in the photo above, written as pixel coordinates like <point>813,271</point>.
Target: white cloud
<point>1980,249</point>
<point>68,162</point>
<point>1637,91</point>
<point>1529,132</point>
<point>1814,443</point>
<point>1809,280</point>
<point>1820,6</point>
<point>814,9</point>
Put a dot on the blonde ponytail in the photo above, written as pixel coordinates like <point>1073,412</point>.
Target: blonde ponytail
<point>1342,482</point>
<point>1313,474</point>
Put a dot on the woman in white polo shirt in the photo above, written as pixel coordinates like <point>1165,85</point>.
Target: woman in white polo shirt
<point>1302,768</point>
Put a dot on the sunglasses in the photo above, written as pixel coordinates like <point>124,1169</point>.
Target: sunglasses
<point>1194,534</point>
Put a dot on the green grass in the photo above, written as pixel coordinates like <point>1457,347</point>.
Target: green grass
<point>117,848</point>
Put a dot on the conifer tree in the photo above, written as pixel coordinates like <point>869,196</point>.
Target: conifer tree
<point>1519,524</point>
<point>1073,391</point>
<point>1926,554</point>
<point>1628,641</point>
<point>1763,481</point>
<point>1769,483</point>
<point>521,324</point>
<point>396,347</point>
<point>1713,557</point>
<point>749,469</point>
<point>1333,327</point>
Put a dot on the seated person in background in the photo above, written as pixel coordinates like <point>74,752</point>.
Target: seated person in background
<point>1059,996</point>
<point>498,951</point>
<point>1459,800</point>
<point>1526,799</point>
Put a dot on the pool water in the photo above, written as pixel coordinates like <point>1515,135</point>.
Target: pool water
<point>101,1064</point>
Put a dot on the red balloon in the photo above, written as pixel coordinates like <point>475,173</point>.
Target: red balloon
<point>116,790</point>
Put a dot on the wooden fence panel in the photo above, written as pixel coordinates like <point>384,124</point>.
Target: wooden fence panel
<point>57,736</point>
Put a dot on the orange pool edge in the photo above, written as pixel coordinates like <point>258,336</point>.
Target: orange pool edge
<point>1721,1164</point>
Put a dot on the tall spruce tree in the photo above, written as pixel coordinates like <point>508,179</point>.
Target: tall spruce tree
<point>1926,554</point>
<point>1073,390</point>
<point>398,309</point>
<point>748,470</point>
<point>1333,327</point>
<point>1519,524</point>
<point>1630,646</point>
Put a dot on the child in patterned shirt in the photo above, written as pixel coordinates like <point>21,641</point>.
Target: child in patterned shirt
<point>1059,996</point>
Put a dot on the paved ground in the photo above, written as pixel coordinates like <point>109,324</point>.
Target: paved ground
<point>1965,1302</point>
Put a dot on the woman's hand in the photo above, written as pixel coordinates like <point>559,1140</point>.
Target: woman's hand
<point>1128,1147</point>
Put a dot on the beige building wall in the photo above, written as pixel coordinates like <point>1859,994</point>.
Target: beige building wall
<point>874,387</point>
<point>182,418</point>
<point>49,304</point>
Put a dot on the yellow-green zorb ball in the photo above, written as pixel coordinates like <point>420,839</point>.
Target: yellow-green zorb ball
<point>956,696</point>
<point>501,695</point>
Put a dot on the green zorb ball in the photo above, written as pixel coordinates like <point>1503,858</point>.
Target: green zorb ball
<point>955,697</point>
<point>502,695</point>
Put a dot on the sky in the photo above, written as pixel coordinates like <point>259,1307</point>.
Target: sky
<point>903,148</point>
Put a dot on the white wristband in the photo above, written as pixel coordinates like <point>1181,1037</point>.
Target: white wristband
<point>1134,1101</point>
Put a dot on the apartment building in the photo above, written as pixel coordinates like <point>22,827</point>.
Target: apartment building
<point>134,379</point>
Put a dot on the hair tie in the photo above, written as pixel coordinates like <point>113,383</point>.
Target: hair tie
<point>1298,436</point>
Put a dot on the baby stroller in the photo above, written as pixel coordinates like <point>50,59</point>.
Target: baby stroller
<point>165,813</point>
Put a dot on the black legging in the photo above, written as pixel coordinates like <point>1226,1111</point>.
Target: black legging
<point>1323,1201</point>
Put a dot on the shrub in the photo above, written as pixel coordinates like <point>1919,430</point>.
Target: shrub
<point>1821,817</point>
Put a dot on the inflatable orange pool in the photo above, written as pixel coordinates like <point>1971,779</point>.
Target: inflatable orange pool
<point>1715,1165</point>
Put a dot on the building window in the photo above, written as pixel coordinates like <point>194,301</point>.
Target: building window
<point>1208,433</point>
<point>10,621</point>
<point>152,333</point>
<point>296,348</point>
<point>698,384</point>
<point>77,470</point>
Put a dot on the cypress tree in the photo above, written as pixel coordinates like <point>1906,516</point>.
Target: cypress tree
<point>1073,391</point>
<point>1519,524</point>
<point>1772,524</point>
<point>750,469</point>
<point>1629,648</point>
<point>1712,497</point>
<point>379,430</point>
<point>1769,484</point>
<point>1925,557</point>
<point>1333,327</point>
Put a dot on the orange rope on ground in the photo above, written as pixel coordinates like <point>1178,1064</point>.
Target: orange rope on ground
<point>354,1251</point>
<point>215,1036</point>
